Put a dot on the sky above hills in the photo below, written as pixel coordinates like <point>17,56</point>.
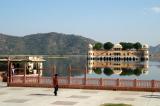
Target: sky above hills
<point>101,20</point>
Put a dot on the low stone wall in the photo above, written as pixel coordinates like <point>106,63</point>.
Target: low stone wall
<point>87,83</point>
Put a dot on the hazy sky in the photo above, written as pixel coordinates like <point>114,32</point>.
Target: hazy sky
<point>101,20</point>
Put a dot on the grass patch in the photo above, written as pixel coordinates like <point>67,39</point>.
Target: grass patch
<point>111,104</point>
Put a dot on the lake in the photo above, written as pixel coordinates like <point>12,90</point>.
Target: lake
<point>127,70</point>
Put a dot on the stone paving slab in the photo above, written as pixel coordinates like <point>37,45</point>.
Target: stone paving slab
<point>79,96</point>
<point>124,99</point>
<point>129,93</point>
<point>3,93</point>
<point>89,91</point>
<point>15,88</point>
<point>64,103</point>
<point>16,101</point>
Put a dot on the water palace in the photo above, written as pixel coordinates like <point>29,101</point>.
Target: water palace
<point>117,54</point>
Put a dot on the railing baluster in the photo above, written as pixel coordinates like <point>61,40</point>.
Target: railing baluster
<point>135,83</point>
<point>153,83</point>
<point>118,82</point>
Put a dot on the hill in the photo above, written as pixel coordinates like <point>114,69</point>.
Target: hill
<point>44,44</point>
<point>155,52</point>
<point>51,44</point>
<point>155,49</point>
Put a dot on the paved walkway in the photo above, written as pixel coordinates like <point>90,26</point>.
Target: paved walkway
<point>23,96</point>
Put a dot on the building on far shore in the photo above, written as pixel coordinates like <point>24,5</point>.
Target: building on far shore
<point>118,54</point>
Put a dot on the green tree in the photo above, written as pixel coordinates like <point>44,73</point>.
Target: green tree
<point>108,45</point>
<point>97,70</point>
<point>138,71</point>
<point>97,46</point>
<point>130,45</point>
<point>126,45</point>
<point>127,72</point>
<point>137,45</point>
<point>108,71</point>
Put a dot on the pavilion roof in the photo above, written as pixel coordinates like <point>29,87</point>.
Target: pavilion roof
<point>23,58</point>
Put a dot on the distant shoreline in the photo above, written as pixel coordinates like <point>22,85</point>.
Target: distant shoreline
<point>46,55</point>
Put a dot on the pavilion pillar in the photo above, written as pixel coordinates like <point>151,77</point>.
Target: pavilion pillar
<point>8,72</point>
<point>11,72</point>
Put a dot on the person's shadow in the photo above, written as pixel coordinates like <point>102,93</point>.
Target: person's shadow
<point>152,96</point>
<point>38,94</point>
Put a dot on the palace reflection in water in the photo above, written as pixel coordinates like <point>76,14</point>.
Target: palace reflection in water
<point>121,68</point>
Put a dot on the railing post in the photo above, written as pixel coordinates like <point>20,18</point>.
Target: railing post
<point>53,73</point>
<point>135,83</point>
<point>38,75</point>
<point>24,78</point>
<point>101,82</point>
<point>153,83</point>
<point>69,77</point>
<point>118,82</point>
<point>85,76</point>
<point>54,70</point>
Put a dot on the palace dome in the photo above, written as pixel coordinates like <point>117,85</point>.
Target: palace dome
<point>145,46</point>
<point>90,46</point>
<point>117,46</point>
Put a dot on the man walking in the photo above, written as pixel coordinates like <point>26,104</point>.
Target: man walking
<point>55,84</point>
